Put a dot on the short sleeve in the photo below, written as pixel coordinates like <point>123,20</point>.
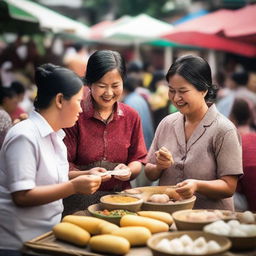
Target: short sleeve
<point>229,154</point>
<point>21,164</point>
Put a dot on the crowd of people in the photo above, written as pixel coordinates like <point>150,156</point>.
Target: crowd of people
<point>58,141</point>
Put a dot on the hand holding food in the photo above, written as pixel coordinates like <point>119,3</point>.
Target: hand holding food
<point>163,158</point>
<point>123,175</point>
<point>86,184</point>
<point>99,171</point>
<point>187,188</point>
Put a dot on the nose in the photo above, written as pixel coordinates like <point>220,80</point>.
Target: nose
<point>109,91</point>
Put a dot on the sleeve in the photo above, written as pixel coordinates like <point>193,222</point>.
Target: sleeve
<point>21,163</point>
<point>137,150</point>
<point>229,154</point>
<point>71,142</point>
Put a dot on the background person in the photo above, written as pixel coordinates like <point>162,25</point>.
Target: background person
<point>197,148</point>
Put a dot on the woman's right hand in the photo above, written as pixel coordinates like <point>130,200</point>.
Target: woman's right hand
<point>99,171</point>
<point>86,184</point>
<point>163,158</point>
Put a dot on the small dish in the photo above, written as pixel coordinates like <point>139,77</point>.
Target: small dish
<point>119,201</point>
<point>94,211</point>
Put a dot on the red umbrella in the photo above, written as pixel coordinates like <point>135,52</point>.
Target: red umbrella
<point>208,32</point>
<point>243,25</point>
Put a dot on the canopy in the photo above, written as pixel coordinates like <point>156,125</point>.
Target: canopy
<point>209,31</point>
<point>14,19</point>
<point>50,20</point>
<point>140,28</point>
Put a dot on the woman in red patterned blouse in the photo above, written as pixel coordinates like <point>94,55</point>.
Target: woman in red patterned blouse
<point>108,133</point>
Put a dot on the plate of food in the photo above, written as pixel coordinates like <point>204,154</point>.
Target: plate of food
<point>113,216</point>
<point>197,219</point>
<point>187,243</point>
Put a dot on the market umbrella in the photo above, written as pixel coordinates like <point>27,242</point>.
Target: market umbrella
<point>140,28</point>
<point>208,32</point>
<point>50,20</point>
<point>14,19</point>
<point>243,25</point>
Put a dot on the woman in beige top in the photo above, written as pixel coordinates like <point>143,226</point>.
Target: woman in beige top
<point>197,148</point>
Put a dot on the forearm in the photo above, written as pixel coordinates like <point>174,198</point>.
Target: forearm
<point>76,172</point>
<point>135,168</point>
<point>43,194</point>
<point>217,189</point>
<point>152,171</point>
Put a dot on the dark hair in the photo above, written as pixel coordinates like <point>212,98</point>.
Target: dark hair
<point>240,78</point>
<point>18,87</point>
<point>102,62</point>
<point>131,83</point>
<point>196,71</point>
<point>6,92</point>
<point>241,112</point>
<point>51,80</point>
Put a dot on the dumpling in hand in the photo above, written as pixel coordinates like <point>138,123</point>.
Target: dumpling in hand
<point>159,198</point>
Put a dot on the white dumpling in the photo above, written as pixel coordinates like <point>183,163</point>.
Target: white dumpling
<point>247,217</point>
<point>237,231</point>
<point>164,245</point>
<point>176,245</point>
<point>199,250</point>
<point>213,246</point>
<point>200,242</point>
<point>186,240</point>
<point>234,223</point>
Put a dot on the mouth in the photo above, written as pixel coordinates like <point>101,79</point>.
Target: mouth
<point>107,99</point>
<point>180,104</point>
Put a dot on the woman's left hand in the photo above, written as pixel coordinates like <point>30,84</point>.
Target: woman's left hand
<point>187,188</point>
<point>123,177</point>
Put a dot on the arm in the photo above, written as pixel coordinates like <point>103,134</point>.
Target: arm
<point>163,161</point>
<point>214,189</point>
<point>46,194</point>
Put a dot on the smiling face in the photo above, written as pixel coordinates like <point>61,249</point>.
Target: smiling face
<point>185,97</point>
<point>107,90</point>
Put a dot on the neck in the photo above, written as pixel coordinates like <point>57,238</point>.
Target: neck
<point>51,118</point>
<point>198,115</point>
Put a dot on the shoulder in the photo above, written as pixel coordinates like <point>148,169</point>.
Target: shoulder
<point>24,128</point>
<point>171,119</point>
<point>224,124</point>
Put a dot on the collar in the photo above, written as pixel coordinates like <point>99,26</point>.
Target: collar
<point>89,111</point>
<point>43,126</point>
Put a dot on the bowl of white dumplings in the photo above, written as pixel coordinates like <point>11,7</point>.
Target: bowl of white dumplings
<point>242,235</point>
<point>187,243</point>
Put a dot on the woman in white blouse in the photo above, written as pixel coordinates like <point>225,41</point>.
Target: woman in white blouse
<point>33,161</point>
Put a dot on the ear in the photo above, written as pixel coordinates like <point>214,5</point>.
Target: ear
<point>204,93</point>
<point>59,100</point>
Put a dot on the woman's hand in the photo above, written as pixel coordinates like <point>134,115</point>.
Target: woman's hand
<point>163,158</point>
<point>102,172</point>
<point>123,177</point>
<point>86,184</point>
<point>187,188</point>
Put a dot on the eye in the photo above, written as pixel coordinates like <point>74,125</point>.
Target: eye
<point>171,90</point>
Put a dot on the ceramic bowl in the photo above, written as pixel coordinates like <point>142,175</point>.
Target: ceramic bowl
<point>152,242</point>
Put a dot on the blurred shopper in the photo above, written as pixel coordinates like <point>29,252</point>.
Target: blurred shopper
<point>197,149</point>
<point>158,99</point>
<point>76,59</point>
<point>19,89</point>
<point>108,133</point>
<point>33,162</point>
<point>241,116</point>
<point>5,119</point>
<point>137,102</point>
<point>238,88</point>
